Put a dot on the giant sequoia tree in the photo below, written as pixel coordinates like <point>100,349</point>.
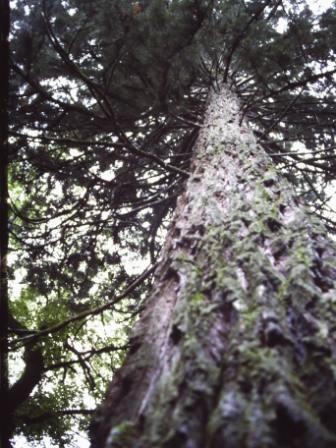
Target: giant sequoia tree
<point>235,344</point>
<point>117,109</point>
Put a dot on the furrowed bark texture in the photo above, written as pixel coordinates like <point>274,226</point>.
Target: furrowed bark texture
<point>236,346</point>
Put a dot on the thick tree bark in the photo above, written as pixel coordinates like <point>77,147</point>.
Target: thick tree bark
<point>236,345</point>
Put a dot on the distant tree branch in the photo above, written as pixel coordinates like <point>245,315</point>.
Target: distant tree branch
<point>92,312</point>
<point>87,355</point>
<point>48,415</point>
<point>242,34</point>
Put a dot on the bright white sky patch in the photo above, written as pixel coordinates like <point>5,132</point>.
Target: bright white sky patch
<point>319,6</point>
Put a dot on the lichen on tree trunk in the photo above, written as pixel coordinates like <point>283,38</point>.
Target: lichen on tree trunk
<point>236,345</point>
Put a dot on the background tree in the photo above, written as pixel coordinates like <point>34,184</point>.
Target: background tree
<point>107,101</point>
<point>4,81</point>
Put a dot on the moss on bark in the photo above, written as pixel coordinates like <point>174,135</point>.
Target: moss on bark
<point>236,346</point>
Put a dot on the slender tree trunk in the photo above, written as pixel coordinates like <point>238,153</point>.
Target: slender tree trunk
<point>236,345</point>
<point>4,77</point>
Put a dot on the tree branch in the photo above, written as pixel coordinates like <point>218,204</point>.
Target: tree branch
<point>92,312</point>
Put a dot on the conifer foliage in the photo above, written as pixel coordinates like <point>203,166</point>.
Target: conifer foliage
<point>106,102</point>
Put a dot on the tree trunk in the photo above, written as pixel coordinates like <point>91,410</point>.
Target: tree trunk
<point>5,419</point>
<point>236,345</point>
